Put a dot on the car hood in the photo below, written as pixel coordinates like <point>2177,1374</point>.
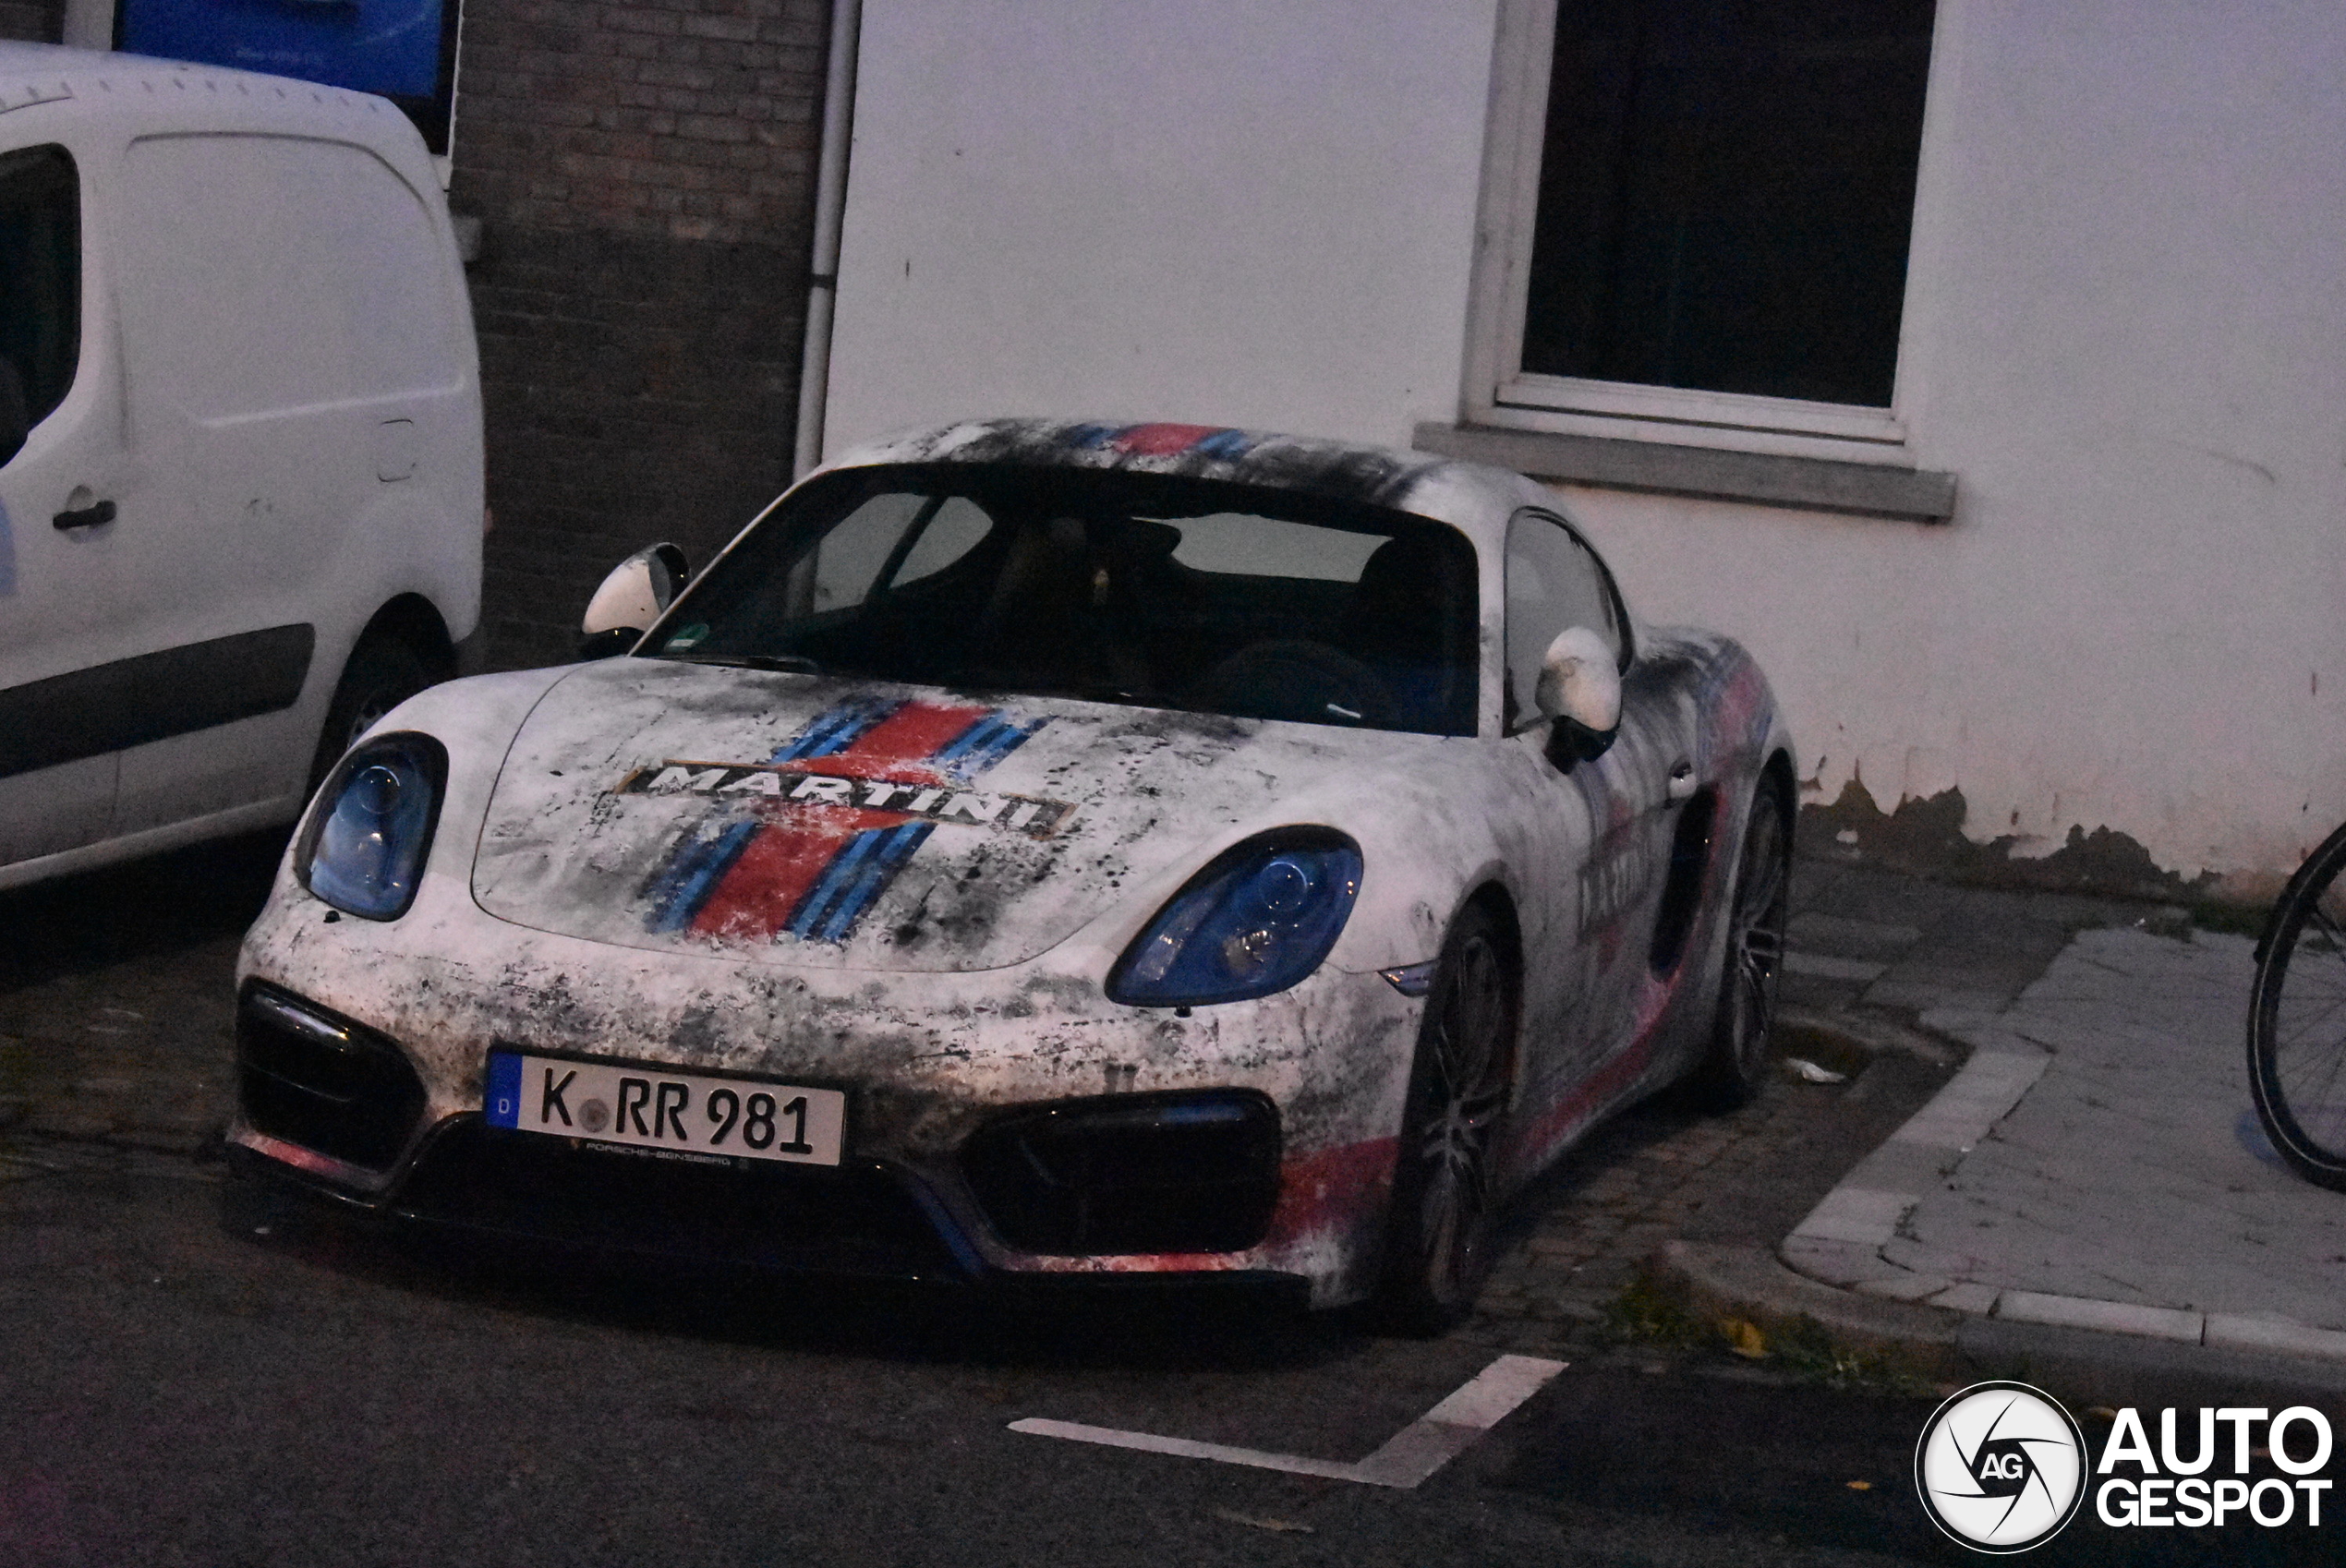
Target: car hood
<point>815,821</point>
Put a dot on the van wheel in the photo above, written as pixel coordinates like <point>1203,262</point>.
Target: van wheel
<point>383,673</point>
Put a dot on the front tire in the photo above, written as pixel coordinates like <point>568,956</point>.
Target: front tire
<point>1732,1072</point>
<point>2297,1020</point>
<point>381,673</point>
<point>1438,1233</point>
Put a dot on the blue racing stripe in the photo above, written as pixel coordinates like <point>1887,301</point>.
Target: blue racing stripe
<point>683,857</point>
<point>896,847</point>
<point>836,728</point>
<point>1002,745</point>
<point>680,890</point>
<point>972,739</point>
<point>985,744</point>
<point>837,876</point>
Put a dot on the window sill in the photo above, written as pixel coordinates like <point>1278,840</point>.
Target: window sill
<point>1696,410</point>
<point>1808,484</point>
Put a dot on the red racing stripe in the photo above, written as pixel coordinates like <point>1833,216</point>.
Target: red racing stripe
<point>897,746</point>
<point>754,899</point>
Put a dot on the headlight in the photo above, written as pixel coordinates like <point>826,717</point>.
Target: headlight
<point>371,827</point>
<point>1256,921</point>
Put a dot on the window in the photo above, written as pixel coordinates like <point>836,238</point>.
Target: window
<point>1554,582</point>
<point>955,529</point>
<point>1708,206</point>
<point>40,288</point>
<point>848,558</point>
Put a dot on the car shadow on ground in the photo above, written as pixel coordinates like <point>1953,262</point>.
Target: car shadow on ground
<point>1130,1324</point>
<point>161,904</point>
<point>1116,1326</point>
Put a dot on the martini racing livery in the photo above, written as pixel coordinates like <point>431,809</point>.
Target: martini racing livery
<point>1042,851</point>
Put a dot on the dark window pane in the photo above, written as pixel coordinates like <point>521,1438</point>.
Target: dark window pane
<point>40,282</point>
<point>1726,193</point>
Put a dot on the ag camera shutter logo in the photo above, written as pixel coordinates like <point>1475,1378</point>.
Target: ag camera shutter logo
<point>2001,1467</point>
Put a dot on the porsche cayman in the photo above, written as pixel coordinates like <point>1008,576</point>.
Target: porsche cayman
<point>1041,851</point>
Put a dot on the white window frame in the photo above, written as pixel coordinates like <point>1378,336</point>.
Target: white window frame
<point>1498,393</point>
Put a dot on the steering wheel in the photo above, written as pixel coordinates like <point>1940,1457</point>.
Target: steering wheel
<point>1295,680</point>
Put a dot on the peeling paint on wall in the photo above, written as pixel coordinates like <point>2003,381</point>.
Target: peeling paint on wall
<point>1925,836</point>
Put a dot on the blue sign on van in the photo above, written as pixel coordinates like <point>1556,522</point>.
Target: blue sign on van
<point>403,49</point>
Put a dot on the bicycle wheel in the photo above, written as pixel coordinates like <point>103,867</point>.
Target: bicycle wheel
<point>2297,1020</point>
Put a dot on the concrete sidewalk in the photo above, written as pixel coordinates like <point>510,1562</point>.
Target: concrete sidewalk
<point>2095,1166</point>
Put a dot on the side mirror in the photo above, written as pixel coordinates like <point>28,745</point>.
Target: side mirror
<point>1580,689</point>
<point>630,599</point>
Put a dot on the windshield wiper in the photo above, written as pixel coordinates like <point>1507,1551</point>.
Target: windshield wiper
<point>794,664</point>
<point>1012,682</point>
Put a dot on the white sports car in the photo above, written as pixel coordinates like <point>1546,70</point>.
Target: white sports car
<point>1047,850</point>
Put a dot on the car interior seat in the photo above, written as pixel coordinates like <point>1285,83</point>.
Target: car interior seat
<point>1403,622</point>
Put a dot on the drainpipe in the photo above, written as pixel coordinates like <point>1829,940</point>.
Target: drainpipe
<point>830,207</point>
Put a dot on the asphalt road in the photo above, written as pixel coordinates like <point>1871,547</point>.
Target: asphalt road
<point>194,1370</point>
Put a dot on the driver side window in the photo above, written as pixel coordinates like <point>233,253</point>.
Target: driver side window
<point>40,288</point>
<point>1555,581</point>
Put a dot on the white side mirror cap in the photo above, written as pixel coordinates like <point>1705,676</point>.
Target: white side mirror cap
<point>1580,680</point>
<point>635,592</point>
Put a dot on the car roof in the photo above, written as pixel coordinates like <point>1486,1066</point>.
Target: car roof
<point>146,94</point>
<point>1476,500</point>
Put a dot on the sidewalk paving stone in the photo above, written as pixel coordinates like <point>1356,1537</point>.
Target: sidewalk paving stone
<point>2131,1171</point>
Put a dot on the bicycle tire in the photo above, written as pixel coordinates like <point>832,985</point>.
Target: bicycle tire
<point>2297,1020</point>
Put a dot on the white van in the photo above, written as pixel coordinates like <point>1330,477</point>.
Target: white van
<point>240,446</point>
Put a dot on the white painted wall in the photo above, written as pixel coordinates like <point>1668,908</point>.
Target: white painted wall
<point>1236,212</point>
<point>2126,335</point>
<point>2127,338</point>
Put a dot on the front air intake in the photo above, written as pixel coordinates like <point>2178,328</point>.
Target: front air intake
<point>1178,1172</point>
<point>313,1079</point>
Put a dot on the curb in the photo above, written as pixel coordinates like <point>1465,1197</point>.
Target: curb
<point>1829,1285</point>
<point>1720,1285</point>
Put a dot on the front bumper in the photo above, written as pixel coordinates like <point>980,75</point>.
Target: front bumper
<point>943,1072</point>
<point>862,1220</point>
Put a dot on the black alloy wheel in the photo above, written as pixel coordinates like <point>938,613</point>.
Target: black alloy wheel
<point>1438,1240</point>
<point>383,673</point>
<point>2297,1020</point>
<point>1736,1064</point>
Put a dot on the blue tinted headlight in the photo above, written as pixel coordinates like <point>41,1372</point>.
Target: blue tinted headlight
<point>371,827</point>
<point>1256,921</point>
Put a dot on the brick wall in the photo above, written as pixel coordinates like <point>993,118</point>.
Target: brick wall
<point>645,176</point>
<point>32,22</point>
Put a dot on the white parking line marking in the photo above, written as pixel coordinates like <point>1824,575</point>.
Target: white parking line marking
<point>1292,1463</point>
<point>1416,1451</point>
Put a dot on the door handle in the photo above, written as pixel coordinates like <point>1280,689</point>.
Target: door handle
<point>86,517</point>
<point>1682,783</point>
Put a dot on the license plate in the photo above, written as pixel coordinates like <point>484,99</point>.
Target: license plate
<point>647,1108</point>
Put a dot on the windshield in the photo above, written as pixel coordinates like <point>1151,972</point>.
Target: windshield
<point>1141,588</point>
